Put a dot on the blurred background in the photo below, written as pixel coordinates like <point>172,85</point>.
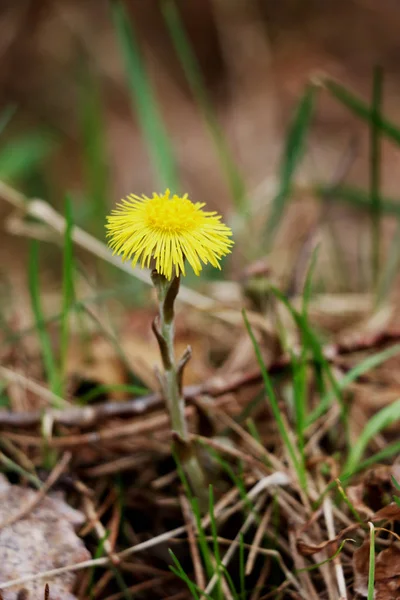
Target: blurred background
<point>103,99</point>
<point>284,116</point>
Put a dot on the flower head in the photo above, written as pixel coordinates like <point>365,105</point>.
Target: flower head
<point>168,229</point>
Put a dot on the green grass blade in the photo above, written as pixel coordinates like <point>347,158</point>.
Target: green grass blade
<point>201,539</point>
<point>214,534</point>
<point>6,117</point>
<point>144,100</point>
<point>293,153</point>
<point>382,419</point>
<point>311,341</point>
<point>374,169</point>
<point>179,571</point>
<point>390,269</point>
<point>100,390</point>
<point>389,451</point>
<point>19,157</point>
<point>67,286</point>
<point>273,401</point>
<point>327,560</point>
<point>95,154</point>
<point>361,109</point>
<point>349,504</point>
<point>366,365</point>
<point>358,198</point>
<point>47,350</point>
<point>299,369</point>
<point>99,551</point>
<point>10,465</point>
<point>371,572</point>
<point>192,71</point>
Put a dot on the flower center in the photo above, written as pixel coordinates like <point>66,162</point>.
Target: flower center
<point>173,215</point>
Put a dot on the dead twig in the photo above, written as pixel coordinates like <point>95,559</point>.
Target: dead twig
<point>217,386</point>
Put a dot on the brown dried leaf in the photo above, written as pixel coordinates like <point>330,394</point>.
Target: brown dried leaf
<point>332,545</point>
<point>361,568</point>
<point>45,539</point>
<point>387,572</point>
<point>391,512</point>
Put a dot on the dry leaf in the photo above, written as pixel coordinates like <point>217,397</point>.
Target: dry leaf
<point>45,539</point>
<point>361,568</point>
<point>387,572</point>
<point>391,512</point>
<point>330,545</point>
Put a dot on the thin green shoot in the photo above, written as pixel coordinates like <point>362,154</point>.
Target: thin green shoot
<point>179,571</point>
<point>324,562</point>
<point>307,290</point>
<point>299,364</point>
<point>95,154</point>
<point>385,454</point>
<point>389,269</point>
<point>374,170</point>
<point>52,372</point>
<point>21,156</point>
<point>192,71</point>
<point>10,465</point>
<point>366,365</point>
<point>382,419</point>
<point>99,551</point>
<point>144,100</point>
<point>6,116</point>
<point>249,408</point>
<point>397,486</point>
<point>310,339</point>
<point>361,109</point>
<point>67,286</point>
<point>101,390</point>
<point>395,483</point>
<point>201,536</point>
<point>358,198</point>
<point>349,504</point>
<point>252,427</point>
<point>4,399</point>
<point>229,579</point>
<point>125,591</point>
<point>371,572</point>
<point>214,533</point>
<point>273,401</point>
<point>299,371</point>
<point>236,480</point>
<point>295,145</point>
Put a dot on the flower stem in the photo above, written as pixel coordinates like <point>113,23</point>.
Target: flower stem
<point>172,380</point>
<point>176,404</point>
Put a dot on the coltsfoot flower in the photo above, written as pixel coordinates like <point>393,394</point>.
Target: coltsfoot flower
<point>169,229</point>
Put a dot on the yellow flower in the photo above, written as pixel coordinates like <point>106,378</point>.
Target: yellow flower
<point>168,229</point>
